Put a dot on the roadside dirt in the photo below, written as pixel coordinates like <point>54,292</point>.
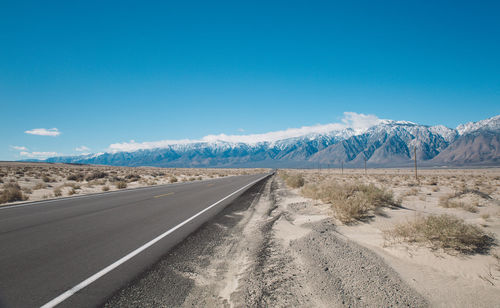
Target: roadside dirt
<point>269,249</point>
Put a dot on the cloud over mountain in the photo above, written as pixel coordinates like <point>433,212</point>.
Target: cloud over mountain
<point>357,122</point>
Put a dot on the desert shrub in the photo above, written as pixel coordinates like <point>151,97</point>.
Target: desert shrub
<point>115,179</point>
<point>192,178</point>
<point>446,202</point>
<point>11,193</point>
<point>72,192</point>
<point>105,188</point>
<point>350,202</point>
<point>156,174</point>
<point>121,184</point>
<point>57,192</point>
<point>46,179</point>
<point>27,190</point>
<point>72,185</point>
<point>173,179</point>
<point>78,177</point>
<point>40,186</point>
<point>96,175</point>
<point>446,232</point>
<point>295,180</point>
<point>132,177</point>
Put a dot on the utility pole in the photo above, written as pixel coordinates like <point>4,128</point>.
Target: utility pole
<point>415,157</point>
<point>365,165</point>
<point>342,168</point>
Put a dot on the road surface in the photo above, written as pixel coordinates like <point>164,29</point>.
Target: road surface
<point>76,252</point>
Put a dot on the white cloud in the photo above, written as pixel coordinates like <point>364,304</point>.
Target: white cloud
<point>39,155</point>
<point>241,130</point>
<point>19,148</point>
<point>82,149</point>
<point>358,122</point>
<point>44,132</point>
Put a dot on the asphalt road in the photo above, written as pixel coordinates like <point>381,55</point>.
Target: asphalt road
<point>76,252</point>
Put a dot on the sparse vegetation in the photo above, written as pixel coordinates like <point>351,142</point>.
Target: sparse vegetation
<point>121,184</point>
<point>96,175</point>
<point>78,177</point>
<point>447,202</point>
<point>295,180</point>
<point>445,232</point>
<point>12,192</point>
<point>350,202</point>
<point>58,192</point>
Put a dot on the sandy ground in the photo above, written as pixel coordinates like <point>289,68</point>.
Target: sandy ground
<point>270,248</point>
<point>444,279</point>
<point>40,181</point>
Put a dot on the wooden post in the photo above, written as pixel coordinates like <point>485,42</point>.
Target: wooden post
<point>365,165</point>
<point>415,157</point>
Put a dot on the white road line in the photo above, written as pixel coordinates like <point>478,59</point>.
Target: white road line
<point>56,301</point>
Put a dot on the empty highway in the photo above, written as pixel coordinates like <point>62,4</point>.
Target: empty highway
<point>76,252</point>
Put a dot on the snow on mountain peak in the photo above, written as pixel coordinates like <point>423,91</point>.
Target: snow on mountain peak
<point>492,123</point>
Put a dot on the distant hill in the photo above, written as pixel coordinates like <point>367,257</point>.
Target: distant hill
<point>386,144</point>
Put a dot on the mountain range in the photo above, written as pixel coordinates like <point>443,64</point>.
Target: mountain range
<point>387,143</point>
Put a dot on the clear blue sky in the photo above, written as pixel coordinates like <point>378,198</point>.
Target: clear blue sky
<point>104,72</point>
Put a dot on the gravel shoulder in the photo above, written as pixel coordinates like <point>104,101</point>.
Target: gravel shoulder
<point>269,248</point>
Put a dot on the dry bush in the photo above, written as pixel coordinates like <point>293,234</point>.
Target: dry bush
<point>173,179</point>
<point>446,232</point>
<point>11,193</point>
<point>446,202</point>
<point>78,177</point>
<point>27,190</point>
<point>96,175</point>
<point>105,188</point>
<point>121,184</point>
<point>350,202</point>
<point>412,192</point>
<point>295,180</point>
<point>40,186</point>
<point>72,185</point>
<point>57,192</point>
<point>132,177</point>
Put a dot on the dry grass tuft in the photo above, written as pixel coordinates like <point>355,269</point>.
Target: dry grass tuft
<point>11,193</point>
<point>350,202</point>
<point>295,180</point>
<point>446,232</point>
<point>446,202</point>
<point>121,184</point>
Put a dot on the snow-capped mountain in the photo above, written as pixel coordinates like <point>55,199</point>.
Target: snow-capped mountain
<point>385,143</point>
<point>491,124</point>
